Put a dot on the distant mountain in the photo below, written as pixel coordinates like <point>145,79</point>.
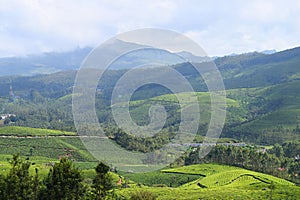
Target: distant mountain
<point>136,55</point>
<point>241,71</point>
<point>52,62</point>
<point>145,55</point>
<point>257,69</point>
<point>192,58</point>
<point>43,64</point>
<point>269,51</point>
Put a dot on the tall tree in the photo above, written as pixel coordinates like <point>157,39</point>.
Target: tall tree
<point>64,181</point>
<point>102,183</point>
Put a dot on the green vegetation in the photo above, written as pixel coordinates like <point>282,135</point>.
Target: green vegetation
<point>272,114</point>
<point>160,178</point>
<point>142,195</point>
<point>102,183</point>
<point>285,165</point>
<point>27,131</point>
<point>223,182</point>
<point>51,147</point>
<point>262,109</point>
<point>63,181</point>
<point>262,113</point>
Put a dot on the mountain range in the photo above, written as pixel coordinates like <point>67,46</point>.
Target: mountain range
<point>262,88</point>
<point>52,62</point>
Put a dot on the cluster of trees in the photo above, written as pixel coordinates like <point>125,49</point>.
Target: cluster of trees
<point>9,119</point>
<point>136,143</point>
<point>64,181</point>
<point>282,161</point>
<point>51,114</point>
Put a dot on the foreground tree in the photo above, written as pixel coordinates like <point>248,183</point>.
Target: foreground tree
<point>102,183</point>
<point>18,183</point>
<point>64,181</point>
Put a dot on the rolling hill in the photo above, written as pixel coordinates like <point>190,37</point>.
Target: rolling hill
<point>220,182</point>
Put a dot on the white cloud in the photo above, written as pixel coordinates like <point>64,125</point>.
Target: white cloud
<point>249,26</point>
<point>221,27</point>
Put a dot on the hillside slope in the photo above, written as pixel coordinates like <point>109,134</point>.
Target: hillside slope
<point>223,182</point>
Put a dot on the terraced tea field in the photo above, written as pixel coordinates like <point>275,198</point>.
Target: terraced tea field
<point>223,182</point>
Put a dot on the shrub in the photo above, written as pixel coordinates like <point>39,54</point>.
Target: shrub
<point>142,195</point>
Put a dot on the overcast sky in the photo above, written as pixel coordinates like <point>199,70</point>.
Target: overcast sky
<point>220,27</point>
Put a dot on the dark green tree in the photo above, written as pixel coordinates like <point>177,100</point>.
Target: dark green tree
<point>102,182</point>
<point>64,181</point>
<point>18,183</point>
<point>277,150</point>
<point>6,121</point>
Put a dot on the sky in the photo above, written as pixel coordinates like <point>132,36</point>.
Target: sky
<point>220,27</point>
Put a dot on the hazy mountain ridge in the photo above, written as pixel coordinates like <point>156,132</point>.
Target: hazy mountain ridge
<point>52,62</point>
<point>241,71</point>
<point>46,63</point>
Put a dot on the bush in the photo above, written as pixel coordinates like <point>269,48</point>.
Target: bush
<point>142,195</point>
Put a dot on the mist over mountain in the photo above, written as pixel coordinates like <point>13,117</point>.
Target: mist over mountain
<point>52,62</point>
<point>45,63</point>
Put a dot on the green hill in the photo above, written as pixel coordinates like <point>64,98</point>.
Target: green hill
<point>223,182</point>
<point>262,97</point>
<point>139,109</point>
<point>216,175</point>
<point>273,113</point>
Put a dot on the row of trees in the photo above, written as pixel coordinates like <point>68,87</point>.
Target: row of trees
<point>64,181</point>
